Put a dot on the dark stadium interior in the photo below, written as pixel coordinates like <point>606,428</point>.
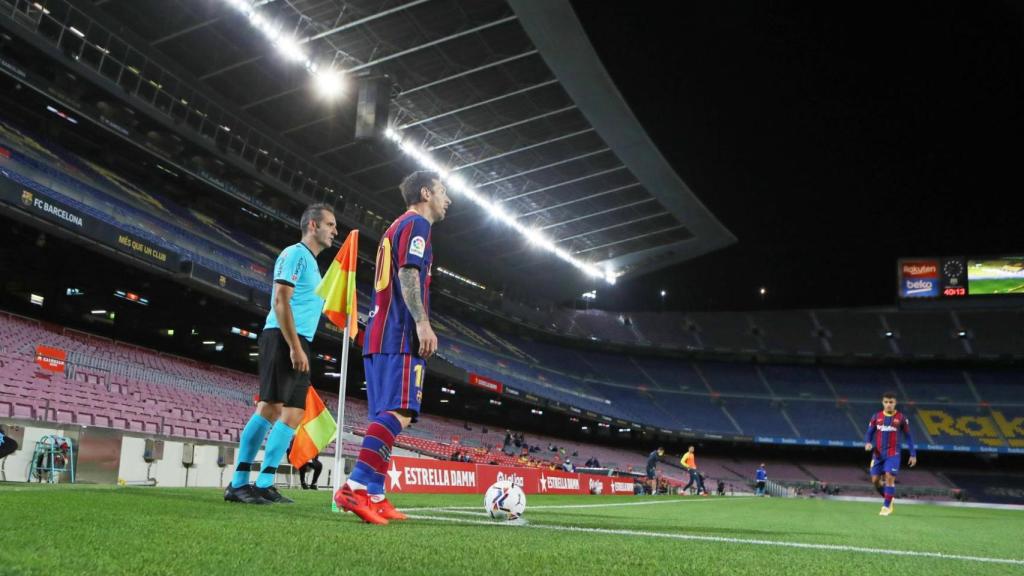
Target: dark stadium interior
<point>166,150</point>
<point>486,103</point>
<point>830,140</point>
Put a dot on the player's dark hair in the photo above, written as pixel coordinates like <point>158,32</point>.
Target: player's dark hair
<point>314,212</point>
<point>889,394</point>
<point>415,182</point>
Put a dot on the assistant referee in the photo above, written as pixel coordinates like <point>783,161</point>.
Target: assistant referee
<point>284,359</point>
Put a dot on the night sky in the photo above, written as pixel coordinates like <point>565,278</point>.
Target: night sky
<point>831,138</point>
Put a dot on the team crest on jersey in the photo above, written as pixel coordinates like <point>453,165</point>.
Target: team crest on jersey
<point>417,246</point>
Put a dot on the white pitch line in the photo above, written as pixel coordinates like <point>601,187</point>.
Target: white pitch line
<point>726,540</point>
<point>459,512</point>
<point>569,506</point>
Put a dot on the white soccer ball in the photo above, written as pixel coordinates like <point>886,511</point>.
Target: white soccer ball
<point>505,501</point>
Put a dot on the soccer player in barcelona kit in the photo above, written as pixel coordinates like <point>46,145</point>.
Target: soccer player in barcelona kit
<point>398,341</point>
<point>883,441</point>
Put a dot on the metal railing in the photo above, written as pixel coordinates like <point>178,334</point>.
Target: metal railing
<point>778,490</point>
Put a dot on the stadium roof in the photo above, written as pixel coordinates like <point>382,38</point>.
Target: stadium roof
<point>509,95</point>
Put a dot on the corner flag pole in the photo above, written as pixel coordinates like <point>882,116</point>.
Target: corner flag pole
<point>339,457</point>
<point>338,289</point>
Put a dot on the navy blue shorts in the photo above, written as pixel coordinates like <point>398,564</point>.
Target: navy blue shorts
<point>394,382</point>
<point>881,466</point>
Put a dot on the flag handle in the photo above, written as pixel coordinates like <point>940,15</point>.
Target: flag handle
<point>339,457</point>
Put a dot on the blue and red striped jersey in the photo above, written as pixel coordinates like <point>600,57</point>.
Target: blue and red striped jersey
<point>390,328</point>
<point>884,433</point>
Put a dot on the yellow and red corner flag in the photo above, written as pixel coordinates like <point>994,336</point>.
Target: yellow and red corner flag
<point>315,432</point>
<point>338,288</point>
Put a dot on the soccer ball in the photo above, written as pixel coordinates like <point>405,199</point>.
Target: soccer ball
<point>505,501</point>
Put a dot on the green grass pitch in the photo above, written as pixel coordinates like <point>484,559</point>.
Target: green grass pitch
<point>54,530</point>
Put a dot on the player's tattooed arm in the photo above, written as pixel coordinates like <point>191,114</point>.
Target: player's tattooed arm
<point>410,281</point>
<point>409,278</point>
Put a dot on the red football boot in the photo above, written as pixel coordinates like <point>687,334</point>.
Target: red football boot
<point>358,503</point>
<point>387,510</point>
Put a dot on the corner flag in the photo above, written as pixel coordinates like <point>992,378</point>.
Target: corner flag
<point>338,288</point>
<point>315,432</point>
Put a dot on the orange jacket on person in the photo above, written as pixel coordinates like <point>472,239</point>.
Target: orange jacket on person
<point>688,460</point>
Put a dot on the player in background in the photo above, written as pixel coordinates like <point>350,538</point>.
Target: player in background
<point>883,441</point>
<point>284,359</point>
<point>761,477</point>
<point>689,463</point>
<point>399,340</point>
<point>652,469</point>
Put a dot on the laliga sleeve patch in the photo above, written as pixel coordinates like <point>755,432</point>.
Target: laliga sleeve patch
<point>417,246</point>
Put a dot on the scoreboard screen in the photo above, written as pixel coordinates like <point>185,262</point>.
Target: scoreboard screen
<point>992,276</point>
<point>943,278</point>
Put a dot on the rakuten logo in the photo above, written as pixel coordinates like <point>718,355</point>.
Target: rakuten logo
<point>924,269</point>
